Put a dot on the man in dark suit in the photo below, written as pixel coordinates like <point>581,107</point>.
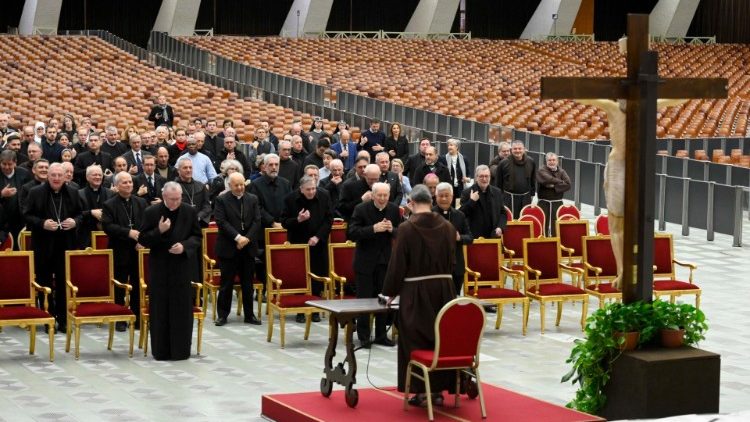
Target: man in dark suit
<point>445,208</point>
<point>308,218</point>
<point>483,206</point>
<point>416,161</point>
<point>171,231</point>
<point>161,113</point>
<point>53,213</point>
<point>373,226</point>
<point>12,179</point>
<point>135,156</point>
<point>122,216</point>
<point>238,217</point>
<point>93,196</point>
<point>92,156</point>
<point>431,165</point>
<point>354,192</point>
<point>271,191</point>
<point>148,184</point>
<point>383,160</point>
<point>163,169</point>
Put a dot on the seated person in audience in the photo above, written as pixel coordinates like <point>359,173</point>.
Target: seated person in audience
<point>161,113</point>
<point>112,144</point>
<point>307,217</point>
<point>483,206</point>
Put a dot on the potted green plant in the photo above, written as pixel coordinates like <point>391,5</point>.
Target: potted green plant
<point>679,324</point>
<point>593,356</point>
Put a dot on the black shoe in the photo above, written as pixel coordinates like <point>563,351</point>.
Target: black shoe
<point>316,317</point>
<point>221,321</point>
<point>365,344</point>
<point>252,320</point>
<point>419,400</point>
<point>121,326</point>
<point>490,309</point>
<point>385,342</point>
<point>300,318</point>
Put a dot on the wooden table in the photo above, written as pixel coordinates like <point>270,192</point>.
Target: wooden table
<point>343,313</point>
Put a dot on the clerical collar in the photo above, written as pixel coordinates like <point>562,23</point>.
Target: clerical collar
<point>236,196</point>
<point>124,199</point>
<point>378,208</point>
<point>9,176</point>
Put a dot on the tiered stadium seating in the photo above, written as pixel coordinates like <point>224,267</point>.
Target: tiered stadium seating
<point>47,76</point>
<point>498,81</point>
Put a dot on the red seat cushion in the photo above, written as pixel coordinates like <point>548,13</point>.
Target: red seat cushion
<point>22,312</point>
<point>557,289</point>
<point>674,285</point>
<point>604,288</point>
<point>577,265</point>
<point>495,292</point>
<point>517,267</point>
<point>296,301</point>
<point>425,357</point>
<point>101,309</point>
<point>197,309</point>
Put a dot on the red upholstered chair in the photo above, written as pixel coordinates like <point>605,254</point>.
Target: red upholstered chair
<point>90,282</point>
<point>665,277</point>
<point>99,240</point>
<point>275,236</point>
<point>536,211</point>
<point>537,225</point>
<point>7,244</point>
<point>288,273</point>
<point>600,269</point>
<point>602,224</point>
<point>18,297</point>
<point>571,234</point>
<point>513,235</point>
<point>341,265</point>
<point>338,233</point>
<point>212,274</point>
<point>543,281</point>
<point>145,276</point>
<point>568,212</point>
<point>484,278</point>
<point>508,214</point>
<point>458,332</point>
<point>24,240</point>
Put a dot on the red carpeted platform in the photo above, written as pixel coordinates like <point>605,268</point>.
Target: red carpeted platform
<point>386,405</point>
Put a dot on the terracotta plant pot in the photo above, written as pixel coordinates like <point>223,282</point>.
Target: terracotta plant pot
<point>631,339</point>
<point>672,338</point>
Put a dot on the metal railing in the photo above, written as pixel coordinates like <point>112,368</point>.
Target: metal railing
<point>570,38</point>
<point>389,35</point>
<point>683,40</point>
<point>203,32</point>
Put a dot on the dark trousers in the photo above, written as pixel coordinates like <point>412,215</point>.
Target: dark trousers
<point>550,208</point>
<point>516,201</point>
<point>230,268</point>
<point>171,318</point>
<point>129,274</point>
<point>48,268</point>
<point>370,285</point>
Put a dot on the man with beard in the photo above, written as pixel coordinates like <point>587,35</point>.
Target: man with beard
<point>170,230</point>
<point>122,216</point>
<point>271,191</point>
<point>238,217</point>
<point>53,212</point>
<point>51,149</point>
<point>516,176</point>
<point>307,217</point>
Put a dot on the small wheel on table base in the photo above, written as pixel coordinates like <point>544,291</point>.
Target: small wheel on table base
<point>352,396</point>
<point>326,387</point>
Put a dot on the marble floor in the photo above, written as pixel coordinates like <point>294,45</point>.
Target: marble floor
<point>237,365</point>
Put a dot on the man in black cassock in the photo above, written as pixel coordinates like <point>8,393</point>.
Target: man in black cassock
<point>482,204</point>
<point>171,231</point>
<point>307,216</point>
<point>93,196</point>
<point>238,216</point>
<point>419,270</point>
<point>122,216</point>
<point>53,213</point>
<point>372,226</point>
<point>444,198</point>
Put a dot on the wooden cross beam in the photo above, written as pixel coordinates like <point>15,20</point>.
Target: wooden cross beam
<point>640,88</point>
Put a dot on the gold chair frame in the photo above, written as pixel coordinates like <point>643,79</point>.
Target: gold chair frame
<point>672,274</point>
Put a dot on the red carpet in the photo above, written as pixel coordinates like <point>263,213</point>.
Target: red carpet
<point>380,406</point>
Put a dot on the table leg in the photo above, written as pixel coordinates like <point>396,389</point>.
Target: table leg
<point>337,374</point>
<point>326,383</point>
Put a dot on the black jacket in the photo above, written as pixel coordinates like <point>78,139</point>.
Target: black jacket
<point>271,194</point>
<point>118,218</point>
<point>472,210</point>
<point>372,248</point>
<point>438,168</point>
<point>237,217</point>
<point>85,159</point>
<point>161,119</point>
<point>400,146</point>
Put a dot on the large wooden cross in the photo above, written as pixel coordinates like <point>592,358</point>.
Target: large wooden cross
<point>640,88</point>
